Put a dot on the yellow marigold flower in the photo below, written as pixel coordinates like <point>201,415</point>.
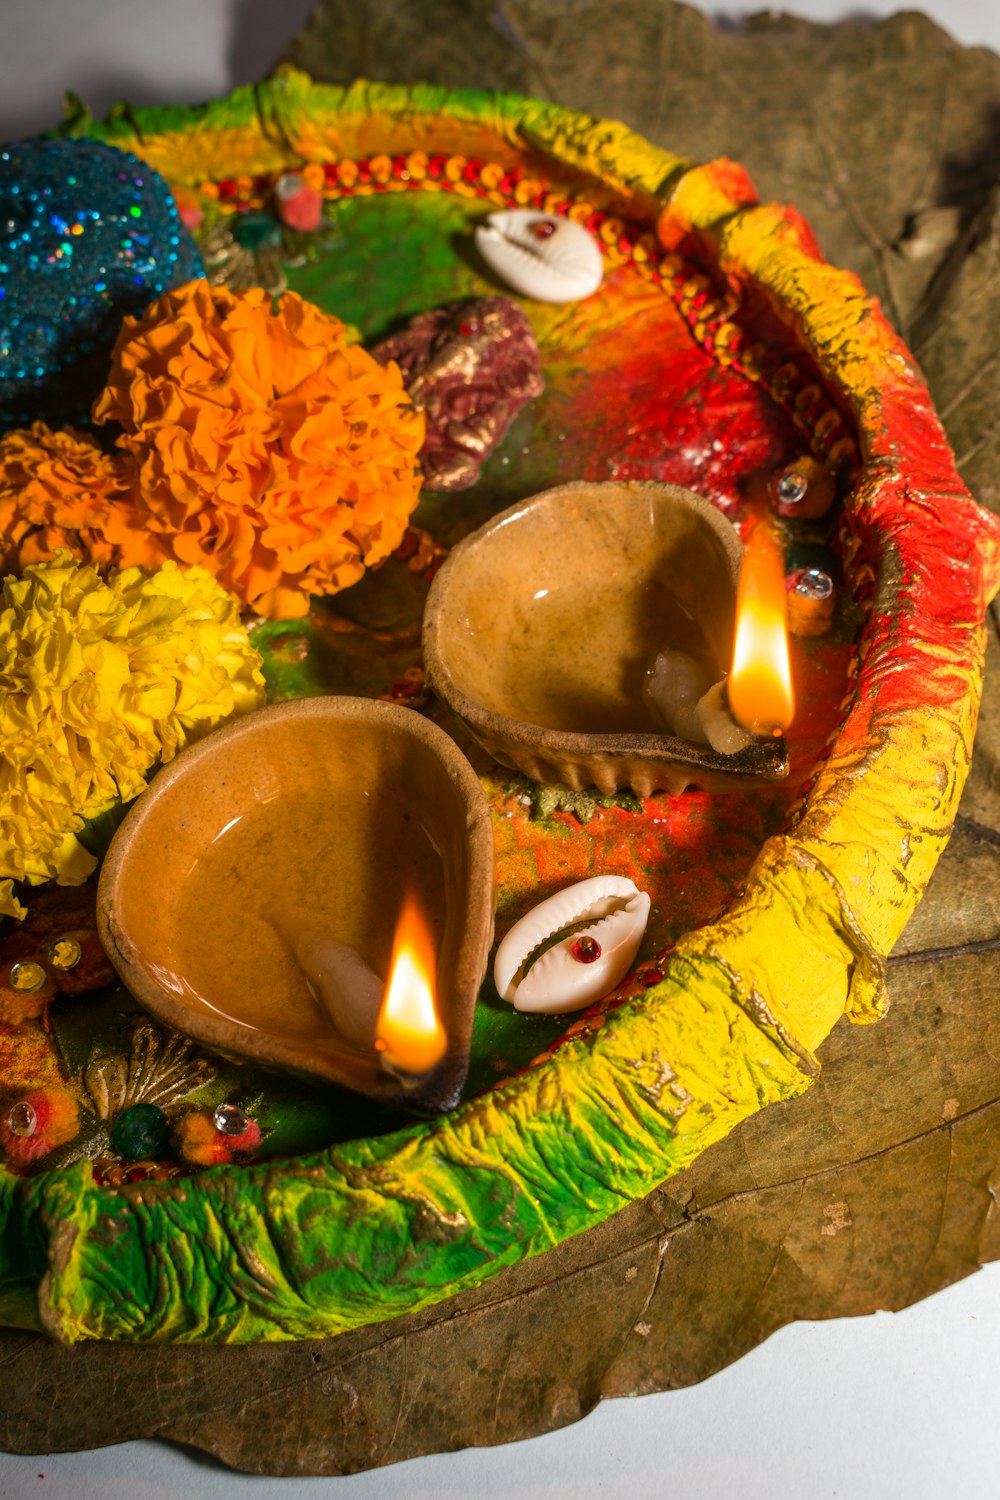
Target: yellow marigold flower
<point>267,447</point>
<point>100,681</point>
<point>57,489</point>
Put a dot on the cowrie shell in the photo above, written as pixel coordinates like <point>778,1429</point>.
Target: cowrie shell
<point>563,264</point>
<point>608,909</point>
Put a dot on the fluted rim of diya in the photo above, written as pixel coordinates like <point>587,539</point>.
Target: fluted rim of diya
<point>645,537</point>
<point>381,1227</point>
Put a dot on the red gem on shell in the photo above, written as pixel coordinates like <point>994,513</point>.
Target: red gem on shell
<point>543,229</point>
<point>586,950</point>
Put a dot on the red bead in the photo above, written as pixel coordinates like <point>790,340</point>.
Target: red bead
<point>471,170</point>
<point>586,950</point>
<point>227,188</point>
<point>436,166</point>
<point>543,229</point>
<point>364,171</point>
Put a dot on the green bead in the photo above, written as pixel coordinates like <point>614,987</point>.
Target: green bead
<point>254,230</point>
<point>139,1132</point>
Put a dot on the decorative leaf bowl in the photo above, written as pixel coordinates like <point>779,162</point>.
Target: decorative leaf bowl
<point>720,347</point>
<point>541,628</point>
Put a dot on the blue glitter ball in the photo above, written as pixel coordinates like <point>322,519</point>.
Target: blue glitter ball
<point>88,234</point>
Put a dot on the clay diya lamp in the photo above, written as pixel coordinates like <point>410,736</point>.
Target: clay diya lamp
<point>544,629</point>
<point>252,898</point>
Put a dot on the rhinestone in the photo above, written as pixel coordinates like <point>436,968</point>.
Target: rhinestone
<point>26,977</point>
<point>22,1118</point>
<point>65,953</point>
<point>814,584</point>
<point>543,229</point>
<point>229,1119</point>
<point>586,950</point>
<point>792,487</point>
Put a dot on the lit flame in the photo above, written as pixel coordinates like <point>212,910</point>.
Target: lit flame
<point>760,683</point>
<point>409,1034</point>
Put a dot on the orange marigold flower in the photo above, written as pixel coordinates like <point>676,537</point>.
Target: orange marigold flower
<point>57,489</point>
<point>266,447</point>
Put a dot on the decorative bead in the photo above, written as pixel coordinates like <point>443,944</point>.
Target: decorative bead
<point>543,229</point>
<point>229,1119</point>
<point>254,231</point>
<point>139,1131</point>
<point>27,976</point>
<point>586,950</point>
<point>65,953</point>
<point>811,599</point>
<point>792,487</point>
<point>803,489</point>
<point>22,1118</point>
<point>298,203</point>
<point>206,1138</point>
<point>813,583</point>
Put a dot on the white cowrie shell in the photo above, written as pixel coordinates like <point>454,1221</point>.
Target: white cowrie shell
<point>561,265</point>
<point>615,912</point>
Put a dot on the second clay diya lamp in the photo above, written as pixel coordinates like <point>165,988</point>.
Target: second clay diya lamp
<point>312,888</point>
<point>583,636</point>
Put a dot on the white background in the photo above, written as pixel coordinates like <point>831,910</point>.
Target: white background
<point>864,1409</point>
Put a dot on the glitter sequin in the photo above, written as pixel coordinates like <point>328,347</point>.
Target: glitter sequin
<point>87,235</point>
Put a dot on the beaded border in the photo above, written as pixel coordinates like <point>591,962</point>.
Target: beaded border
<point>709,315</point>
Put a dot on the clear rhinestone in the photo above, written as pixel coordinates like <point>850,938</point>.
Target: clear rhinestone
<point>792,487</point>
<point>814,584</point>
<point>22,1118</point>
<point>27,976</point>
<point>229,1119</point>
<point>65,953</point>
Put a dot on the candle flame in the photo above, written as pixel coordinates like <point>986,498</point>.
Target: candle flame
<point>760,683</point>
<point>409,1033</point>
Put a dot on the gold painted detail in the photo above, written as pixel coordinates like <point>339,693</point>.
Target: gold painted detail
<point>159,1069</point>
